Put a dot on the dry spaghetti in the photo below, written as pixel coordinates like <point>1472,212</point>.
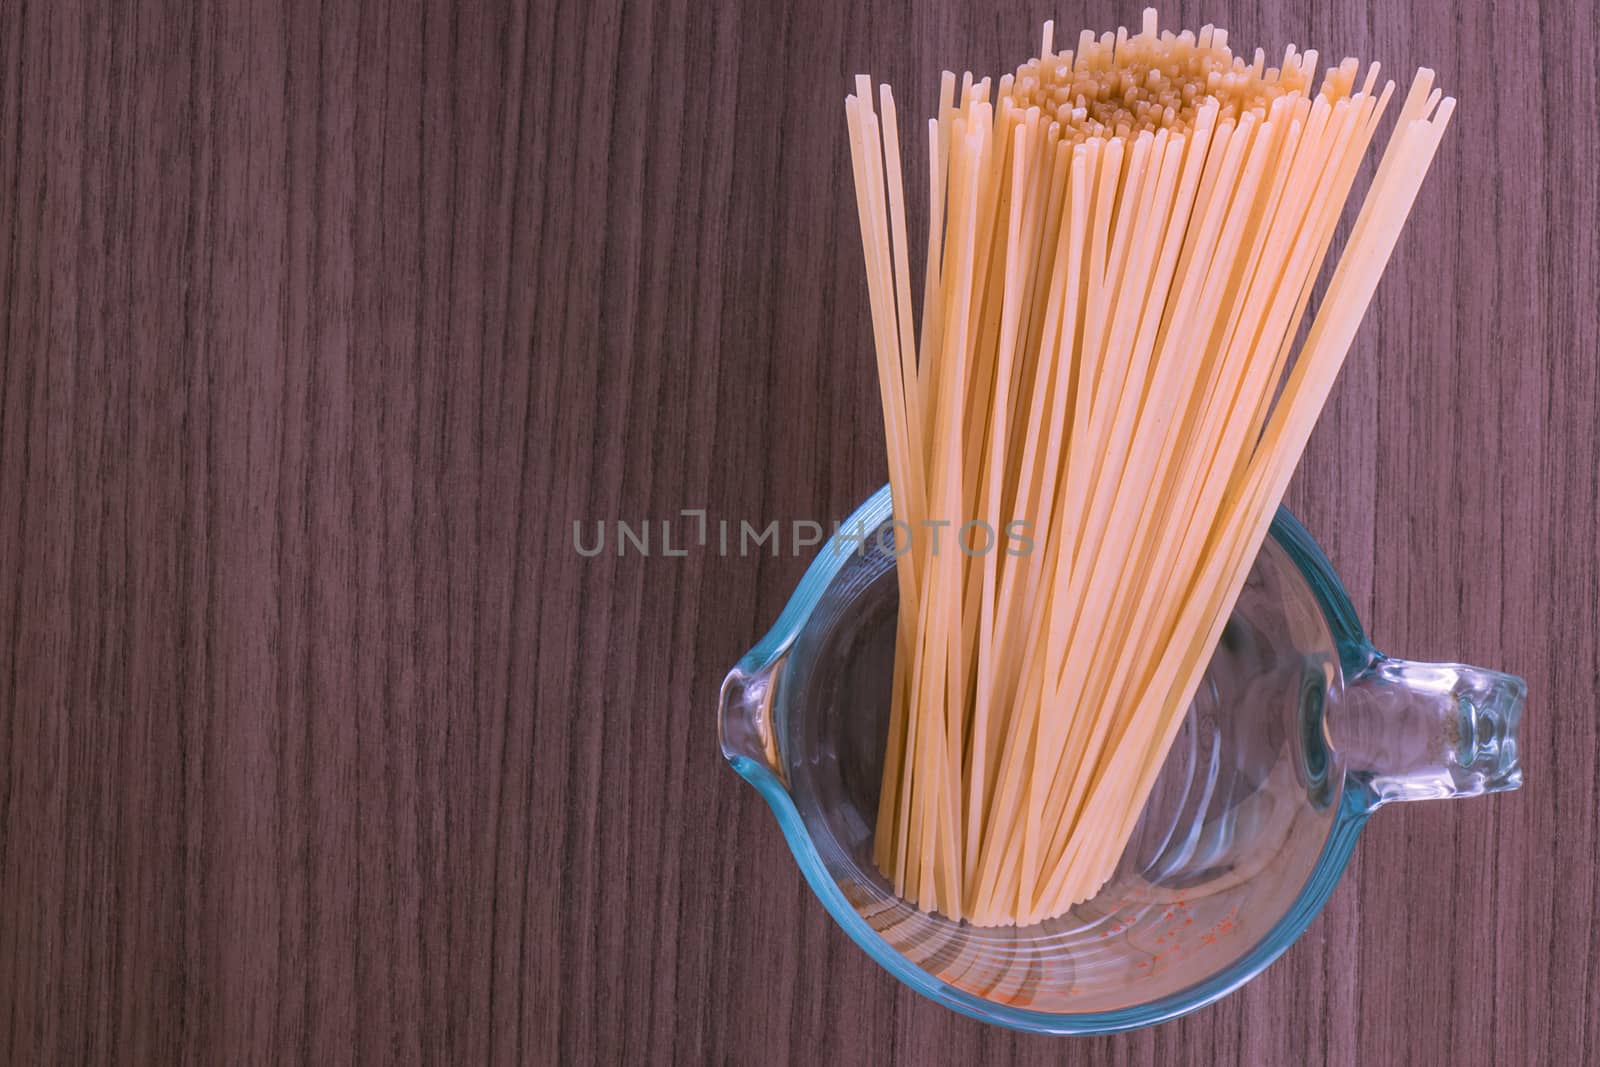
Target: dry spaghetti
<point>1123,238</point>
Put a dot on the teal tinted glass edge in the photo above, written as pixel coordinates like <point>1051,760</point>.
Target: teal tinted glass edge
<point>1354,653</point>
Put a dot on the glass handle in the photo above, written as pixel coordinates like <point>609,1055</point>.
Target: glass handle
<point>1420,731</point>
<point>745,725</point>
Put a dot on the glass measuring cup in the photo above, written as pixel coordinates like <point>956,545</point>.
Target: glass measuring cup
<point>1301,730</point>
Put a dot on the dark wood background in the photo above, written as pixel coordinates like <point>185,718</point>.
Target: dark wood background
<point>322,322</point>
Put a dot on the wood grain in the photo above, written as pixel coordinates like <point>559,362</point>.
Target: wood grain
<point>322,322</point>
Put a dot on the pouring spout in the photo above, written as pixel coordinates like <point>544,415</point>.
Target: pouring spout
<point>1422,731</point>
<point>745,725</point>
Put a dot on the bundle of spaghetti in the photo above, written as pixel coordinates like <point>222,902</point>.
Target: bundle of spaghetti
<point>1100,411</point>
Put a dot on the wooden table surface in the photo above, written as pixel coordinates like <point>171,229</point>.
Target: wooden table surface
<point>322,322</point>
